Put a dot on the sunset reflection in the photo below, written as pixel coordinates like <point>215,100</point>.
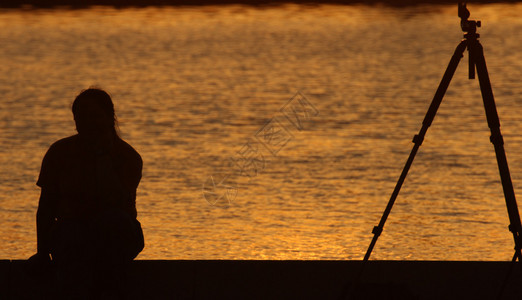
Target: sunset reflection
<point>192,85</point>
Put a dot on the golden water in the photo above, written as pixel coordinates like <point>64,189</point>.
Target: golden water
<point>192,86</point>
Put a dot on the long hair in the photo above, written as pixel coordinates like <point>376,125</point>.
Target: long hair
<point>103,100</point>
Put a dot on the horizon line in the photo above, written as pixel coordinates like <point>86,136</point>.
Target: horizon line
<point>28,4</point>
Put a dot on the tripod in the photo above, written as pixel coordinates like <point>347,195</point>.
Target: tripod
<point>478,62</point>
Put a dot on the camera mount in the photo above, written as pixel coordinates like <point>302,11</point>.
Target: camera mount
<point>468,26</point>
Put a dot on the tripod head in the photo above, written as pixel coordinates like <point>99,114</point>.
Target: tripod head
<point>468,26</point>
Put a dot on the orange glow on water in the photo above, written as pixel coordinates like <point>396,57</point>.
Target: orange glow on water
<point>193,85</point>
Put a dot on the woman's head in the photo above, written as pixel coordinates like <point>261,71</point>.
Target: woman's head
<point>94,114</point>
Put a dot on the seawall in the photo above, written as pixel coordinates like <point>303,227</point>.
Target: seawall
<point>251,279</point>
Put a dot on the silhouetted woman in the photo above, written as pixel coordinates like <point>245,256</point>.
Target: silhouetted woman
<point>86,217</point>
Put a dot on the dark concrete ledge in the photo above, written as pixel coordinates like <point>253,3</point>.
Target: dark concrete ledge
<point>251,279</point>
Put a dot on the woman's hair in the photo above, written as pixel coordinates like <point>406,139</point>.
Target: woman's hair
<point>102,99</point>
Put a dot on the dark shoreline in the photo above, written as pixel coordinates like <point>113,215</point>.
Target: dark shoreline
<point>284,279</point>
<point>29,4</point>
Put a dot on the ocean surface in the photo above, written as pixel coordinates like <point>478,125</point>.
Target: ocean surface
<point>273,132</point>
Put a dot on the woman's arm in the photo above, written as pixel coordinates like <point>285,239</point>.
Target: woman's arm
<point>45,218</point>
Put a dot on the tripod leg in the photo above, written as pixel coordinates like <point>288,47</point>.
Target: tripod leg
<point>498,142</point>
<point>417,139</point>
<point>515,226</point>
